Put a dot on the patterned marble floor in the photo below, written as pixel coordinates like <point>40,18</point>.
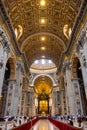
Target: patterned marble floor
<point>44,125</point>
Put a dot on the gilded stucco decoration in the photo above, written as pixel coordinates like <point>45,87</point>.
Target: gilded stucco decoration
<point>33,47</point>
<point>67,31</point>
<point>28,13</point>
<point>49,17</point>
<point>18,32</point>
<point>43,84</point>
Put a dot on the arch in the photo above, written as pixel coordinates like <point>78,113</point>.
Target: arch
<point>43,75</point>
<point>9,75</point>
<point>43,33</point>
<point>43,83</point>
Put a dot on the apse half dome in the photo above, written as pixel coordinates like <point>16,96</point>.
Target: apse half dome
<point>43,66</point>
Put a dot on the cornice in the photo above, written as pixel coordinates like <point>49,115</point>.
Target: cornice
<point>80,17</point>
<point>7,22</point>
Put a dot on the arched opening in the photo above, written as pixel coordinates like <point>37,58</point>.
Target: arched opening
<point>43,88</point>
<point>8,75</point>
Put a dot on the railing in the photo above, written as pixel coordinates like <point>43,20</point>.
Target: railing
<point>63,126</point>
<point>26,126</point>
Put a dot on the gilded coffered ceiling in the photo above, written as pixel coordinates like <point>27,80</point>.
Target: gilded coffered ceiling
<point>52,19</point>
<point>50,48</point>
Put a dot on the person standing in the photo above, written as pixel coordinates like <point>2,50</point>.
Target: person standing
<point>20,121</point>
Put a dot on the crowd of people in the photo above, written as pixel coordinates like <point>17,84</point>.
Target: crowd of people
<point>15,121</point>
<point>69,119</point>
<point>72,120</point>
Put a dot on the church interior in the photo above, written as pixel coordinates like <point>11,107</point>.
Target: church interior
<point>43,57</point>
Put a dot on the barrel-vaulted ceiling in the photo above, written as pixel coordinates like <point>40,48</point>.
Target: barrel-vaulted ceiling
<point>48,48</point>
<point>50,19</point>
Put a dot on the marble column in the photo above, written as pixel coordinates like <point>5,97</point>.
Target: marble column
<point>23,103</point>
<point>4,53</point>
<point>17,92</point>
<point>10,99</point>
<point>19,81</point>
<point>69,90</point>
<point>30,103</point>
<point>78,101</point>
<point>84,67</point>
<point>56,102</point>
<point>82,53</point>
<point>53,104</point>
<point>3,57</point>
<point>63,104</point>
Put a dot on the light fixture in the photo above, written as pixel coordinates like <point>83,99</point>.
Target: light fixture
<point>43,38</point>
<point>42,21</point>
<point>43,48</point>
<point>42,2</point>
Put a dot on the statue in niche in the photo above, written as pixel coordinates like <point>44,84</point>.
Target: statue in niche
<point>18,32</point>
<point>67,31</point>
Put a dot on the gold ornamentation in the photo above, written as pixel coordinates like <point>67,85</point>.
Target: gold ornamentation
<point>43,84</point>
<point>57,14</point>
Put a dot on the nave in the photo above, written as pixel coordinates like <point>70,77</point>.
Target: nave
<point>43,58</point>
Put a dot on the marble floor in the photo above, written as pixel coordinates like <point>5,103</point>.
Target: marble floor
<point>40,125</point>
<point>44,125</point>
